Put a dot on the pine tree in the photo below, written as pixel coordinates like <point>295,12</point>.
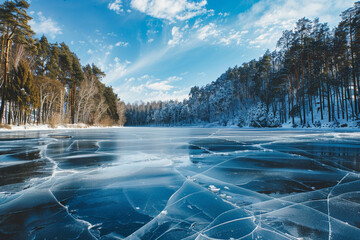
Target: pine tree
<point>52,66</point>
<point>24,91</point>
<point>14,27</point>
<point>43,55</point>
<point>77,76</point>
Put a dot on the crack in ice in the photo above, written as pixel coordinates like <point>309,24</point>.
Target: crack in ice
<point>328,203</point>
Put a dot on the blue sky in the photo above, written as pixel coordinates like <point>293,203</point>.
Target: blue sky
<point>159,49</point>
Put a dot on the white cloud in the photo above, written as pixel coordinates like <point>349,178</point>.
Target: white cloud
<point>160,86</point>
<point>176,36</point>
<point>141,93</point>
<point>45,26</point>
<point>130,79</point>
<point>174,79</point>
<point>146,76</point>
<point>207,31</point>
<point>233,36</point>
<point>90,51</point>
<point>121,44</point>
<point>170,9</point>
<point>137,89</point>
<point>117,70</point>
<point>211,13</point>
<point>210,32</point>
<point>265,39</point>
<point>116,6</point>
<point>149,88</point>
<point>268,18</point>
<point>178,95</point>
<point>225,14</point>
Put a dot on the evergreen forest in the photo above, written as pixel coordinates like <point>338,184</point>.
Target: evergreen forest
<point>44,83</point>
<point>313,77</point>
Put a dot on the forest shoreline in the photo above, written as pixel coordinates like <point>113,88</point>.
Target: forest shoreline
<point>338,124</point>
<point>46,127</point>
<point>310,78</point>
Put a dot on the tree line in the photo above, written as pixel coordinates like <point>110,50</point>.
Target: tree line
<point>44,82</point>
<point>313,76</point>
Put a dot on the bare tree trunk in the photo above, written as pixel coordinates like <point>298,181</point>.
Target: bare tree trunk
<point>353,67</point>
<point>9,114</point>
<point>6,63</point>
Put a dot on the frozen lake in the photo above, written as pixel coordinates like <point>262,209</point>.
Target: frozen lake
<point>179,183</point>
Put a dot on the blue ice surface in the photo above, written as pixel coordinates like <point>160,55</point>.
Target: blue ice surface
<point>180,183</point>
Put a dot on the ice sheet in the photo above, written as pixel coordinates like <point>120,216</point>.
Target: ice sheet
<point>179,183</point>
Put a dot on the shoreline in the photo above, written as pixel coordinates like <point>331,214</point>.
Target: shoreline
<point>25,128</point>
<point>350,125</point>
<point>46,127</point>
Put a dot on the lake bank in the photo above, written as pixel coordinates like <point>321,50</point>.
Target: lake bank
<point>29,127</point>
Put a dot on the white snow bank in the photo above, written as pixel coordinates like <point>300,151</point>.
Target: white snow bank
<point>31,127</point>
